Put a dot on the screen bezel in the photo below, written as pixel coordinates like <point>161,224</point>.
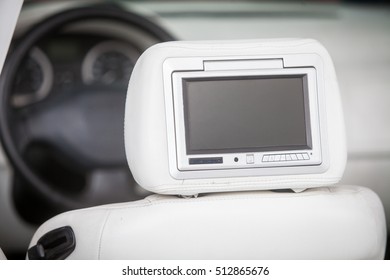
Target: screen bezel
<point>229,159</point>
<point>306,113</point>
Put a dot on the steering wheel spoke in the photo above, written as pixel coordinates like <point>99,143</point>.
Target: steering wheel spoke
<point>21,135</point>
<point>122,186</point>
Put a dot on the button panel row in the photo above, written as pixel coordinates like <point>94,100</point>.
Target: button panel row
<point>285,157</point>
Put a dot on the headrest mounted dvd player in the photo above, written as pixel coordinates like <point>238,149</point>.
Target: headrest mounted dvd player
<point>255,114</point>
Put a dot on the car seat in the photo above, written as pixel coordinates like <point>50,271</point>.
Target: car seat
<point>232,217</point>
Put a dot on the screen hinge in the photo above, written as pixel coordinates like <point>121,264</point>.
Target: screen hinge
<point>242,64</point>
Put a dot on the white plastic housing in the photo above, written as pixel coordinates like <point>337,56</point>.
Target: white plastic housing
<point>152,124</point>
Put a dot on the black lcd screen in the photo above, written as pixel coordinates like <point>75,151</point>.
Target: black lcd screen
<point>246,114</point>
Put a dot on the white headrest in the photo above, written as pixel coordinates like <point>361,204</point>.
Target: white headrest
<point>151,138</point>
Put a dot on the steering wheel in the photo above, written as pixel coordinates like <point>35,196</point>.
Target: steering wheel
<point>83,130</point>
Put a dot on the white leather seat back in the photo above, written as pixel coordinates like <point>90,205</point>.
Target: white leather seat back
<point>323,223</point>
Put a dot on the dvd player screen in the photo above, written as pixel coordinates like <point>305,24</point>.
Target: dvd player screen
<point>246,114</point>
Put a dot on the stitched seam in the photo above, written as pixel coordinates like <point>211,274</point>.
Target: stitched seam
<point>252,185</point>
<point>267,180</point>
<point>252,197</point>
<point>102,232</point>
<point>253,181</point>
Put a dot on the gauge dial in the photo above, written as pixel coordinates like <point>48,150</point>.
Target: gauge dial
<point>34,79</point>
<point>109,63</point>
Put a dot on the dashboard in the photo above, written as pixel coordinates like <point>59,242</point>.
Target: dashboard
<point>70,62</point>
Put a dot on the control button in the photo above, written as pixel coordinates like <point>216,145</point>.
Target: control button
<point>305,156</point>
<point>299,156</point>
<point>294,157</point>
<point>282,157</point>
<point>288,157</point>
<point>250,159</point>
<point>271,158</point>
<point>265,158</point>
<point>277,157</point>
